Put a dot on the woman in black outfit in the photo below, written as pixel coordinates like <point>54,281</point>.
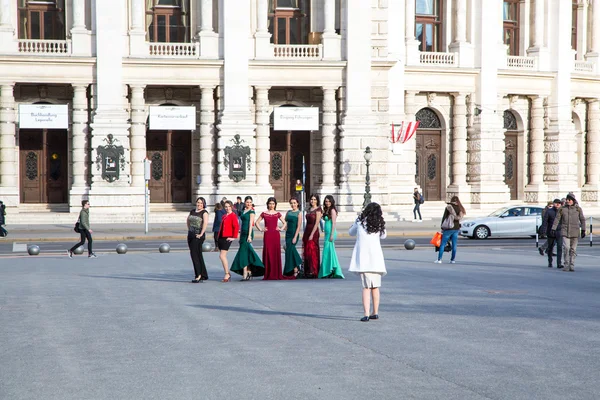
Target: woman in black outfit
<point>197,222</point>
<point>219,213</point>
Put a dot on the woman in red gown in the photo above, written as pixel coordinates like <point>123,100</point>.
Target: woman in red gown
<point>310,240</point>
<point>272,241</point>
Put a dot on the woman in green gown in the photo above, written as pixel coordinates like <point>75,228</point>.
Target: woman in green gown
<point>293,261</point>
<point>330,266</point>
<point>246,262</point>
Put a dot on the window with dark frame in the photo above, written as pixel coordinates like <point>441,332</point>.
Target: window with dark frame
<point>289,21</point>
<point>168,21</point>
<point>41,19</point>
<point>428,24</point>
<point>511,22</point>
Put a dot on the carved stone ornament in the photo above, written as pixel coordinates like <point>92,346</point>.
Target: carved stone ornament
<point>430,98</point>
<point>512,100</point>
<point>576,102</point>
<point>237,159</point>
<point>43,91</point>
<point>169,93</point>
<point>110,159</point>
<point>531,197</point>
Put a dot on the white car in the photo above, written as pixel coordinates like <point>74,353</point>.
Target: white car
<point>508,221</point>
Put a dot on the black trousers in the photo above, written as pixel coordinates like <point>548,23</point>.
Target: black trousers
<point>195,246</point>
<point>559,244</point>
<point>85,234</point>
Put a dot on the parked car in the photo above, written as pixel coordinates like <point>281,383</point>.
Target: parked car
<point>507,221</point>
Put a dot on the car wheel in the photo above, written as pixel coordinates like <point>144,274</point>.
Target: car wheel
<point>481,232</point>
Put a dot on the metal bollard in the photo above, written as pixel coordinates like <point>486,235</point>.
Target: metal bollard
<point>537,235</point>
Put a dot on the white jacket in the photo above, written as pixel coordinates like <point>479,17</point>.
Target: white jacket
<point>367,255</point>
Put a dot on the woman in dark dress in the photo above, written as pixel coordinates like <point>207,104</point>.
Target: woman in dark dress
<point>219,213</point>
<point>227,234</point>
<point>246,261</point>
<point>310,239</point>
<point>293,261</point>
<point>272,241</point>
<point>197,222</point>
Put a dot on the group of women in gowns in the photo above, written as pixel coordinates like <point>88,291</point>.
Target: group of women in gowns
<point>248,264</point>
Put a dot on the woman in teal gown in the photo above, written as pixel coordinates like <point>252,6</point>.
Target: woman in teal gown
<point>330,266</point>
<point>246,262</point>
<point>293,261</point>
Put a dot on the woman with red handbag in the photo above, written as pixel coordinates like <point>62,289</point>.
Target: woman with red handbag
<point>453,213</point>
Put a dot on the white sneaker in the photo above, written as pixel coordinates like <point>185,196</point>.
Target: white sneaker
<point>452,262</point>
<point>438,261</point>
<point>420,220</point>
<point>93,255</point>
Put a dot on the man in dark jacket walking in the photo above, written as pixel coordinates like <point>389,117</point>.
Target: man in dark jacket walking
<point>556,237</point>
<point>570,218</point>
<point>84,230</point>
<point>3,232</point>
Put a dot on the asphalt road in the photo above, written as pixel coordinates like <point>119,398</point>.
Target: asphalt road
<point>497,325</point>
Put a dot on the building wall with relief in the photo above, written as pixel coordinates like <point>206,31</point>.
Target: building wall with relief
<point>506,95</point>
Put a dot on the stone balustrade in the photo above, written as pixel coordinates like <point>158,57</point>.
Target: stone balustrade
<point>298,51</point>
<point>438,58</point>
<point>521,62</point>
<point>584,67</point>
<point>174,50</point>
<point>44,47</point>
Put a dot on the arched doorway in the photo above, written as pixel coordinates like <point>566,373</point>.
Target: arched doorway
<point>511,154</point>
<point>43,156</point>
<point>170,152</point>
<point>289,152</point>
<point>428,154</point>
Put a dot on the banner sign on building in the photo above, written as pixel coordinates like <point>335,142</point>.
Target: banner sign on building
<point>172,118</point>
<point>43,116</point>
<point>296,119</point>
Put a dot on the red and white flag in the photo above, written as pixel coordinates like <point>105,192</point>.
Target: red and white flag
<point>406,131</point>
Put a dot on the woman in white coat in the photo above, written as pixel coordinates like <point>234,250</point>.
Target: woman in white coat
<point>367,257</point>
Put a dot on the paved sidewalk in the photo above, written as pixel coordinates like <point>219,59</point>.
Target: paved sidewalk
<point>62,232</point>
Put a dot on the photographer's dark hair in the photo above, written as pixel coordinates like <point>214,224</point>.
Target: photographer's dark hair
<point>371,218</point>
<point>327,210</point>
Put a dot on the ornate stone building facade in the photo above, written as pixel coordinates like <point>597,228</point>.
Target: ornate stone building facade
<point>506,95</point>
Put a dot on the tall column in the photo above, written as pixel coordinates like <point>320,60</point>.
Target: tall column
<point>111,120</point>
<point>459,140</point>
<point>410,111</point>
<point>78,15</point>
<point>582,30</point>
<point>81,44</point>
<point>560,166</point>
<point>208,38</point>
<point>7,42</point>
<point>538,48</point>
<point>137,33</point>
<point>207,124</point>
<point>594,53</point>
<point>236,117</point>
<point>332,42</point>
<point>328,130</point>
<point>329,9</point>
<point>262,37</point>
<point>591,189</point>
<point>536,190</point>
<point>138,135</point>
<point>412,45</point>
<point>359,127</point>
<point>8,168</point>
<point>460,45</point>
<point>79,135</point>
<point>486,141</point>
<point>262,136</point>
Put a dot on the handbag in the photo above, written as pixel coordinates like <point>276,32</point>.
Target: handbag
<point>436,240</point>
<point>448,223</point>
<point>77,227</point>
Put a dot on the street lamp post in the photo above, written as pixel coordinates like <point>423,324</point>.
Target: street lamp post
<point>368,155</point>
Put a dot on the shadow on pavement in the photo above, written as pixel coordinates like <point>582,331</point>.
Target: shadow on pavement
<point>182,278</point>
<point>271,312</point>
